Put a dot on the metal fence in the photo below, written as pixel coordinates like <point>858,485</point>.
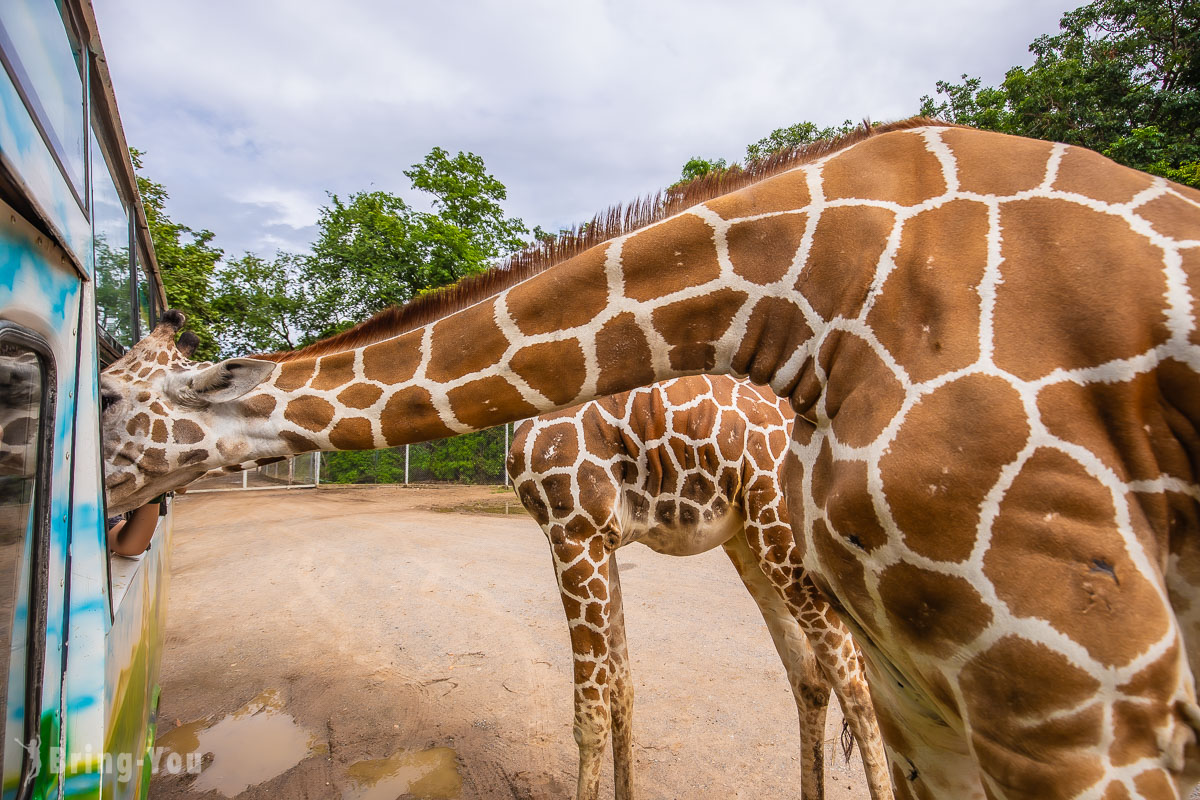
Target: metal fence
<point>300,472</point>
<point>475,458</point>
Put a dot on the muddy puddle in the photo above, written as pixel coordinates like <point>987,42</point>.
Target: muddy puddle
<point>426,775</point>
<point>253,744</point>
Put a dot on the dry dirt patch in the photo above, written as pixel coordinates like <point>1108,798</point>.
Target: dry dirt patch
<point>396,637</point>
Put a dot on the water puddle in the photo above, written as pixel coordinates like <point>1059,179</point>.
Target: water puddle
<point>426,775</point>
<point>253,744</point>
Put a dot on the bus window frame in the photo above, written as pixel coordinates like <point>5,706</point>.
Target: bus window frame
<point>39,553</point>
<point>23,83</point>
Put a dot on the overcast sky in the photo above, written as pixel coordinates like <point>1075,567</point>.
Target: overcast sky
<point>249,111</point>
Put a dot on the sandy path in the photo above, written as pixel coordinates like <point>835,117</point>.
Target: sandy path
<point>381,625</point>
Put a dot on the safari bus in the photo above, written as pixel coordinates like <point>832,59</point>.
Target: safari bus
<point>79,284</point>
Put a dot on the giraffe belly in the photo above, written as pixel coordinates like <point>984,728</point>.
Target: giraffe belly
<point>684,539</point>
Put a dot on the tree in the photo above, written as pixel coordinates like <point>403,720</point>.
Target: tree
<point>374,250</point>
<point>261,305</point>
<point>1121,77</point>
<point>186,262</point>
<point>699,167</point>
<point>794,136</point>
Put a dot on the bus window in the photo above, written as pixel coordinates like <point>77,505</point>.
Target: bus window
<point>110,227</point>
<point>22,529</point>
<point>145,303</point>
<point>44,60</point>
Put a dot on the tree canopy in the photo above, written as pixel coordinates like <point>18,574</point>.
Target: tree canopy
<point>1122,77</point>
<point>374,250</point>
<point>186,260</point>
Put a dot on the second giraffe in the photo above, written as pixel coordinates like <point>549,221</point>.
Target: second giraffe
<point>682,467</point>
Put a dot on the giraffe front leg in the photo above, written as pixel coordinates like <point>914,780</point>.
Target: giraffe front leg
<point>582,566</point>
<point>808,683</point>
<point>621,681</point>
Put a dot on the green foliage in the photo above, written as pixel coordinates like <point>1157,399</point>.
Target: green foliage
<point>1122,77</point>
<point>470,458</point>
<point>778,139</point>
<point>112,289</point>
<point>260,304</point>
<point>793,136</point>
<point>699,167</point>
<point>374,250</point>
<point>186,261</point>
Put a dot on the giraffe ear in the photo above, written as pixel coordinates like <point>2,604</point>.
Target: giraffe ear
<point>221,382</point>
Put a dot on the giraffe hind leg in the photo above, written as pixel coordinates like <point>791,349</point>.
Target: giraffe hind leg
<point>808,684</point>
<point>835,651</point>
<point>621,683</point>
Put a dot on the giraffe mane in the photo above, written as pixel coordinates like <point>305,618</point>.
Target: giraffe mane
<point>616,221</point>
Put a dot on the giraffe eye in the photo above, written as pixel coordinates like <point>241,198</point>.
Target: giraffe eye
<point>107,401</point>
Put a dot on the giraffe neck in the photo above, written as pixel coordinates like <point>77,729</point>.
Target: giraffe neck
<point>693,294</point>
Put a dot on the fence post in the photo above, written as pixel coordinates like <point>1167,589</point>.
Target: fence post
<point>317,468</point>
<point>406,465</point>
<point>505,458</point>
<point>245,478</point>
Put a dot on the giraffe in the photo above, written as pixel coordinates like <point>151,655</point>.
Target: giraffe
<point>682,467</point>
<point>996,339</point>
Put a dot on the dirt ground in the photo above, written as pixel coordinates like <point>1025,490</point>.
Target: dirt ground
<point>381,642</point>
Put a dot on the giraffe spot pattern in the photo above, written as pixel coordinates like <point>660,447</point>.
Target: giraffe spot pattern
<point>1057,522</point>
<point>359,395</point>
<point>762,252</point>
<point>310,413</point>
<point>778,194</point>
<point>894,169</point>
<point>623,354</point>
<point>465,343</point>
<point>480,404</point>
<point>847,246</point>
<point>334,371</point>
<point>352,433</point>
<point>975,151</point>
<point>184,431</point>
<point>410,410</point>
<point>932,611</point>
<point>943,462</point>
<point>1062,304</point>
<point>538,307</point>
<point>556,370</point>
<point>927,314</point>
<point>691,326</point>
<point>669,257</point>
<point>389,364</point>
<point>859,410</point>
<point>1092,175</point>
<point>258,406</point>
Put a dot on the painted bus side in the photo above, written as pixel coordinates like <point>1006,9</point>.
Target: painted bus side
<point>78,282</point>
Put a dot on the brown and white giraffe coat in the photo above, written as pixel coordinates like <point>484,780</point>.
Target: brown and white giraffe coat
<point>997,341</point>
<point>682,466</point>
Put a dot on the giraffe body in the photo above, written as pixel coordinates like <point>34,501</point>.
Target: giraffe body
<point>682,467</point>
<point>997,341</point>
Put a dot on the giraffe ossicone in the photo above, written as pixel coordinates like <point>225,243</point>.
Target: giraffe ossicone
<point>997,341</point>
<point>682,467</point>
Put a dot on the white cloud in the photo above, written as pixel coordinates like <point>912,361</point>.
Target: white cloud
<point>251,111</point>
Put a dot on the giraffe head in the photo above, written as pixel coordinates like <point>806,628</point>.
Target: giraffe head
<point>166,419</point>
